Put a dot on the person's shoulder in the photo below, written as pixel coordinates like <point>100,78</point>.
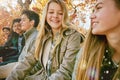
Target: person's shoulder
<point>32,37</point>
<point>35,32</point>
<point>69,31</point>
<point>74,32</point>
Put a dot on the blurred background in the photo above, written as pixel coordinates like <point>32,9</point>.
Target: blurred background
<point>79,12</point>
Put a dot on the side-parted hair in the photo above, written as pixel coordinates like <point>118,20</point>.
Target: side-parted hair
<point>44,24</point>
<point>32,16</point>
<point>92,56</point>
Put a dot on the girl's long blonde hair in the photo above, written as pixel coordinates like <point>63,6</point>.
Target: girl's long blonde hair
<point>91,59</point>
<point>44,24</point>
<point>92,56</point>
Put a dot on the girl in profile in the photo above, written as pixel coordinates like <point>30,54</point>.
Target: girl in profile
<point>100,56</point>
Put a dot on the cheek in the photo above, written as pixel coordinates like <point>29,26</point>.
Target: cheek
<point>109,21</point>
<point>104,19</point>
<point>25,23</point>
<point>47,19</point>
<point>102,16</point>
<point>61,17</point>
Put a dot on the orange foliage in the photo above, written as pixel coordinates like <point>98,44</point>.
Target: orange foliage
<point>75,11</point>
<point>6,18</point>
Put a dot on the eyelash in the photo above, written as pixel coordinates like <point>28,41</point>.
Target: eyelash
<point>50,12</point>
<point>98,7</point>
<point>60,13</point>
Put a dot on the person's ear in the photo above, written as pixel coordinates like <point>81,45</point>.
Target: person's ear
<point>32,22</point>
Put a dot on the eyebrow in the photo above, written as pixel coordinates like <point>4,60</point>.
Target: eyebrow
<point>98,4</point>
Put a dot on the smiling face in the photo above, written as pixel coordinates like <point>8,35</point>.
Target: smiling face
<point>105,18</point>
<point>54,16</point>
<point>6,32</point>
<point>25,23</point>
<point>17,28</point>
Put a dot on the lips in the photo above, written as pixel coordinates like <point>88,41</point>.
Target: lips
<point>93,23</point>
<point>55,21</point>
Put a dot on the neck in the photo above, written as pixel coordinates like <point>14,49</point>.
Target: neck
<point>114,42</point>
<point>116,58</point>
<point>56,32</point>
<point>29,28</point>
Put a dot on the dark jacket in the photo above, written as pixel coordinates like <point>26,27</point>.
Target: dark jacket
<point>9,52</point>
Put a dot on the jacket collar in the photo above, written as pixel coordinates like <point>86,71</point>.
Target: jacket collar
<point>65,31</point>
<point>28,33</point>
<point>68,31</point>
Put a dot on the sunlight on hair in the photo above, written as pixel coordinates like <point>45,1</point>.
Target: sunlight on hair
<point>83,65</point>
<point>91,73</point>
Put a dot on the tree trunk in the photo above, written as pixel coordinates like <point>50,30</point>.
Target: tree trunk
<point>25,5</point>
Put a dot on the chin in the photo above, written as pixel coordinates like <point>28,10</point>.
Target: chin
<point>95,32</point>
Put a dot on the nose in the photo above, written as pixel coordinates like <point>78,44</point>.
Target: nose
<point>55,15</point>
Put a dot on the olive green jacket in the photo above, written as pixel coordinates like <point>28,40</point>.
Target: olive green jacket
<point>30,37</point>
<point>64,60</point>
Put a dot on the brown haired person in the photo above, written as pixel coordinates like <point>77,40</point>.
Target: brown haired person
<point>100,57</point>
<point>10,48</point>
<point>10,52</point>
<point>5,33</point>
<point>29,22</point>
<point>55,50</point>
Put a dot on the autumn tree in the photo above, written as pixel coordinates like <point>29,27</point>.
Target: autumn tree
<point>25,4</point>
<point>77,11</point>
